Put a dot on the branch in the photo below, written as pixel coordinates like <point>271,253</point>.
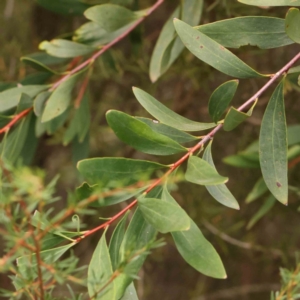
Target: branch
<point>194,149</point>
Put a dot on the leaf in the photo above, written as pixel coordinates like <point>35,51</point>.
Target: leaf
<point>10,98</point>
<point>65,7</point>
<point>100,272</point>
<point>273,146</point>
<point>220,192</point>
<point>201,172</point>
<point>140,136</point>
<point>269,203</point>
<point>241,161</point>
<point>119,170</point>
<point>130,293</point>
<point>167,116</point>
<point>110,17</point>
<point>65,49</point>
<point>293,134</point>
<point>271,2</point>
<point>46,59</point>
<point>168,46</point>
<point>171,132</point>
<point>39,103</point>
<point>60,98</point>
<point>263,32</point>
<point>116,241</point>
<point>235,117</point>
<point>24,103</point>
<point>212,52</point>
<point>37,65</point>
<point>220,99</point>
<point>258,190</point>
<point>292,24</point>
<point>163,216</point>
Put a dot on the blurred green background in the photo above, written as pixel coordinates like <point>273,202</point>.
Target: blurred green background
<point>252,272</point>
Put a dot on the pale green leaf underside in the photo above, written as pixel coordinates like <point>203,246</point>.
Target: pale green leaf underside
<point>271,2</point>
<point>212,52</point>
<point>167,116</point>
<point>273,146</point>
<point>292,24</point>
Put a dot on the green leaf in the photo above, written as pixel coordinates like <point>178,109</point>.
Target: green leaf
<point>263,32</point>
<point>220,192</point>
<point>140,136</point>
<point>271,2</point>
<point>65,49</point>
<point>171,132</point>
<point>220,99</point>
<point>292,24</point>
<point>39,103</point>
<point>273,146</point>
<point>80,123</point>
<point>167,116</point>
<point>241,161</point>
<point>119,170</point>
<point>235,117</point>
<point>201,172</point>
<point>268,204</point>
<point>130,293</point>
<point>37,65</point>
<point>35,78</point>
<point>65,7</point>
<point>116,241</point>
<point>164,216</point>
<point>258,190</point>
<point>60,99</point>
<point>212,52</point>
<point>168,46</point>
<point>25,102</point>
<point>11,97</point>
<point>46,59</point>
<point>293,135</point>
<point>80,150</point>
<point>100,272</point>
<point>110,17</point>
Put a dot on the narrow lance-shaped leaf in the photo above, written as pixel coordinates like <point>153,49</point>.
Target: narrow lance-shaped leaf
<point>167,116</point>
<point>100,272</point>
<point>235,117</point>
<point>220,99</point>
<point>140,136</point>
<point>37,65</point>
<point>258,190</point>
<point>220,192</point>
<point>105,170</point>
<point>273,146</point>
<point>130,293</point>
<point>292,24</point>
<point>163,216</point>
<point>195,249</point>
<point>263,32</point>
<point>271,2</point>
<point>201,172</point>
<point>212,52</point>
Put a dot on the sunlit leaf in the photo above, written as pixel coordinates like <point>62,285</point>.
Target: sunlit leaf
<point>273,146</point>
<point>167,116</point>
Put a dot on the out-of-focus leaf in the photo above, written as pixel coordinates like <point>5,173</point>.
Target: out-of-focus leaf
<point>263,32</point>
<point>60,98</point>
<point>119,170</point>
<point>234,117</point>
<point>10,98</point>
<point>46,59</point>
<point>39,102</point>
<point>271,2</point>
<point>140,136</point>
<point>25,102</point>
<point>168,46</point>
<point>241,161</point>
<point>100,272</point>
<point>37,65</point>
<point>167,116</point>
<point>273,146</point>
<point>201,172</point>
<point>80,150</point>
<point>268,204</point>
<point>258,190</point>
<point>130,293</point>
<point>111,17</point>
<point>293,135</point>
<point>212,52</point>
<point>36,78</point>
<point>65,48</point>
<point>164,216</point>
<point>292,24</point>
<point>65,7</point>
<point>220,192</point>
<point>293,152</point>
<point>220,99</point>
<point>171,132</point>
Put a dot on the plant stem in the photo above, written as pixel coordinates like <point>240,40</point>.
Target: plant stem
<point>198,146</point>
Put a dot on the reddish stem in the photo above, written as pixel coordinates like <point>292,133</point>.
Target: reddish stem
<point>198,146</point>
<point>15,120</point>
